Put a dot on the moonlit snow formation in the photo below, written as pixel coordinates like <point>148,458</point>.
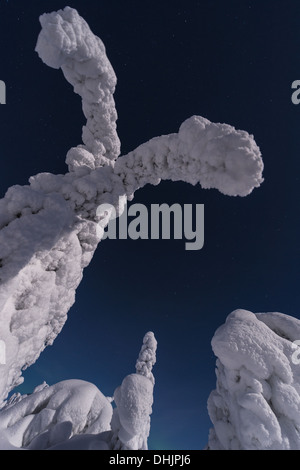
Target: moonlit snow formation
<point>74,414</point>
<point>256,405</point>
<point>49,229</point>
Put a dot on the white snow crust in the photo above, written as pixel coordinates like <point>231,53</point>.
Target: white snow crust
<point>134,399</point>
<point>256,405</point>
<point>48,229</point>
<point>75,415</point>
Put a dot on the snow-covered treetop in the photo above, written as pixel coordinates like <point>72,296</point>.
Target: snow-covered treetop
<point>147,356</point>
<point>74,414</point>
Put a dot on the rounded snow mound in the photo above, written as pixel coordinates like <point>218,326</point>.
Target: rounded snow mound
<point>53,415</point>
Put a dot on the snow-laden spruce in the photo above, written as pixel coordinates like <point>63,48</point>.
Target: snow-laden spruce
<point>134,398</point>
<point>74,414</point>
<point>256,405</point>
<point>48,229</point>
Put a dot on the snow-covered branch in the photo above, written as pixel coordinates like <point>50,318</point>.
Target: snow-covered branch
<point>67,42</point>
<point>214,155</point>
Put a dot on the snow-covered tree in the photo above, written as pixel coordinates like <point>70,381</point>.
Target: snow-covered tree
<point>74,414</point>
<point>256,405</point>
<point>49,229</point>
<point>147,357</point>
<point>134,398</point>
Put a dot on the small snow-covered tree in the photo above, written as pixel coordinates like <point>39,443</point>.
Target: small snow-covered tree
<point>74,414</point>
<point>147,357</point>
<point>134,398</point>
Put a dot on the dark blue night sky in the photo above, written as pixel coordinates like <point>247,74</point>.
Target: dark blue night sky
<point>231,62</point>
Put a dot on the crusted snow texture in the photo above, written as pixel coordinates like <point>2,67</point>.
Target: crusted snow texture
<point>51,416</point>
<point>74,414</point>
<point>214,155</point>
<point>50,228</point>
<point>67,42</point>
<point>147,357</point>
<point>134,399</point>
<point>256,405</point>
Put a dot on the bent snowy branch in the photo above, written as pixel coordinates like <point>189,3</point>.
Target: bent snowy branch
<point>67,42</point>
<point>214,155</point>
